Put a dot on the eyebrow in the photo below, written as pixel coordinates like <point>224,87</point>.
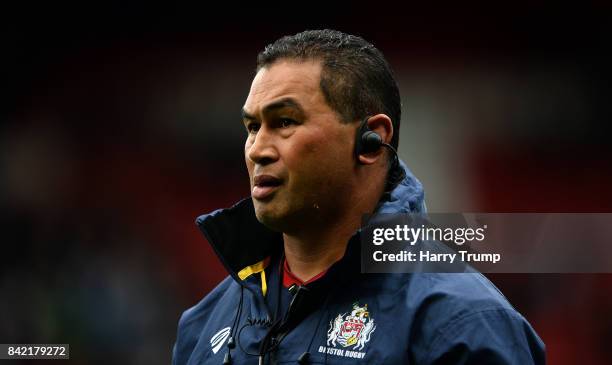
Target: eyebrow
<point>282,103</point>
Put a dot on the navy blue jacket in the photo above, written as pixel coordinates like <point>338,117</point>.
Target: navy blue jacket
<point>346,316</point>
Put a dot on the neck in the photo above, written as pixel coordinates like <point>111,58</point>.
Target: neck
<point>314,249</point>
<point>309,255</point>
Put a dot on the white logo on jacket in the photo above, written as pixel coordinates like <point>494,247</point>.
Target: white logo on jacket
<point>219,339</point>
<point>352,329</point>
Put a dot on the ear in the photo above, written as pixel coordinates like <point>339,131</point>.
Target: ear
<point>380,124</point>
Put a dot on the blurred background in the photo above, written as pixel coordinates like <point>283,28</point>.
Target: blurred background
<point>120,123</point>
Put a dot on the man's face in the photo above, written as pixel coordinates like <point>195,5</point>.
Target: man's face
<point>298,153</point>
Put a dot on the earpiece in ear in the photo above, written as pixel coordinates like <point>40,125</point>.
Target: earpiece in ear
<point>367,141</point>
<point>370,142</point>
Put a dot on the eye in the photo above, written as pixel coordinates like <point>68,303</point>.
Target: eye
<point>286,122</point>
<point>253,127</point>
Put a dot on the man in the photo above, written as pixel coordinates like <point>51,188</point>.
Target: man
<point>295,292</point>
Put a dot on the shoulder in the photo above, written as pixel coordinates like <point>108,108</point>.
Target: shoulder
<point>194,320</point>
<point>454,293</point>
<point>212,299</point>
<point>465,315</point>
<point>447,293</point>
<point>466,319</point>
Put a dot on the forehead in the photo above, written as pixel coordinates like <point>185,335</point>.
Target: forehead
<point>298,80</point>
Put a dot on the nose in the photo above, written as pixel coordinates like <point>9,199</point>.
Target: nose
<point>261,148</point>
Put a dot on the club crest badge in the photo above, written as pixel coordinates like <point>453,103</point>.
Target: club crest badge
<point>351,329</point>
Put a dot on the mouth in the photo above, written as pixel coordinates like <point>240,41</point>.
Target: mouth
<point>264,186</point>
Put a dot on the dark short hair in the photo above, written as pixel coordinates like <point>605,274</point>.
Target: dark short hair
<point>356,80</point>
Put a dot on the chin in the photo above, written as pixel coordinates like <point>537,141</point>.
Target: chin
<point>269,218</point>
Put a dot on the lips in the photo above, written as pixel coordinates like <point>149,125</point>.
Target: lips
<point>264,186</point>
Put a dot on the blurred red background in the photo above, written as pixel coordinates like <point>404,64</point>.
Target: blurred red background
<point>121,124</point>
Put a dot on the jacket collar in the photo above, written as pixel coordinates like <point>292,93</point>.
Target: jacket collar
<point>243,244</point>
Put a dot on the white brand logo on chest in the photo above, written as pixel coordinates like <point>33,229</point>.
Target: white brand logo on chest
<point>219,339</point>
